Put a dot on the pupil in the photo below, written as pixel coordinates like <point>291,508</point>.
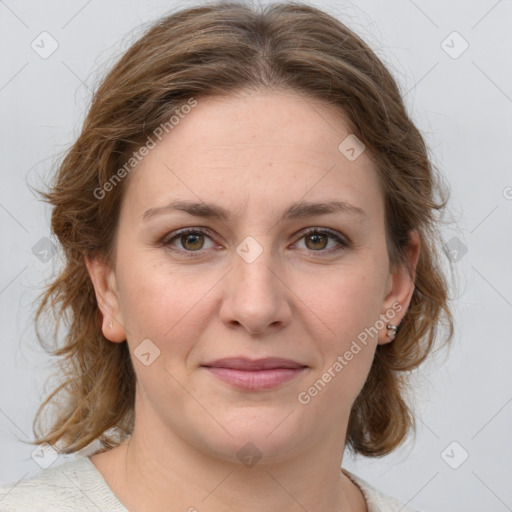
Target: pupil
<point>316,238</point>
<point>191,239</point>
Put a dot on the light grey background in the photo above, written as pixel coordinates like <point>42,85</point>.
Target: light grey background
<point>463,104</point>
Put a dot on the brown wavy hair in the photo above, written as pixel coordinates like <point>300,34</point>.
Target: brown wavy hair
<point>219,49</point>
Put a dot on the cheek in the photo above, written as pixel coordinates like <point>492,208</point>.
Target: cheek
<point>349,308</point>
<point>346,301</point>
<point>159,301</point>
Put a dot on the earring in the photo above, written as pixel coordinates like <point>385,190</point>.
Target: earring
<point>393,329</point>
<point>110,324</point>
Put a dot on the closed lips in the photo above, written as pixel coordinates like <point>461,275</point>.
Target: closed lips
<point>254,365</point>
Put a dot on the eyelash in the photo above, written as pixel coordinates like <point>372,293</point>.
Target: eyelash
<point>344,244</point>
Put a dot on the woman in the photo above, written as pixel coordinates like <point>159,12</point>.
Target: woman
<point>248,220</point>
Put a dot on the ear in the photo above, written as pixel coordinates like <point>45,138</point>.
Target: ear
<point>105,287</point>
<point>399,289</point>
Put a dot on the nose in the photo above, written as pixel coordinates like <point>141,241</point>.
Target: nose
<point>256,297</point>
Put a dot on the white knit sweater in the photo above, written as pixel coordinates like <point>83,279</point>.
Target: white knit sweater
<point>77,486</point>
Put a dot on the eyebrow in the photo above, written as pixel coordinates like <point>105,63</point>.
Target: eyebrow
<point>299,210</point>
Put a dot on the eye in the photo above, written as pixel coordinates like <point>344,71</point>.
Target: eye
<point>196,240</point>
<point>317,240</point>
<point>190,240</point>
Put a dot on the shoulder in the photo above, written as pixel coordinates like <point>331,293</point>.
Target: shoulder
<point>376,500</point>
<point>75,486</point>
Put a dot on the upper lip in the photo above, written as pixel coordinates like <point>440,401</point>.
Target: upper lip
<point>242,363</point>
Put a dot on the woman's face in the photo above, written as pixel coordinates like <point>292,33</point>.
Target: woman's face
<point>274,266</point>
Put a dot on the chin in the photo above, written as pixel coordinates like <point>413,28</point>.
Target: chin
<point>269,437</point>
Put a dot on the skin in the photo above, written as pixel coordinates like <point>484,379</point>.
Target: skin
<point>254,154</point>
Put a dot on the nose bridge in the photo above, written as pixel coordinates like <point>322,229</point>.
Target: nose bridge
<point>253,274</point>
<point>255,297</point>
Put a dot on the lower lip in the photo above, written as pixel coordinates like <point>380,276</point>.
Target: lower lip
<point>254,380</point>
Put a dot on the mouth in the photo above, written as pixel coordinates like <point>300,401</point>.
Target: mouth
<point>255,375</point>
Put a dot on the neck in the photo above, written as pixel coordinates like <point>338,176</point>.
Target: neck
<point>171,475</point>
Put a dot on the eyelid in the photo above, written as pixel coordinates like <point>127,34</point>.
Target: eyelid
<point>331,232</point>
<point>343,242</point>
<point>166,240</point>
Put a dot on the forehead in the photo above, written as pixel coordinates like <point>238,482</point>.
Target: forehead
<point>255,147</point>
